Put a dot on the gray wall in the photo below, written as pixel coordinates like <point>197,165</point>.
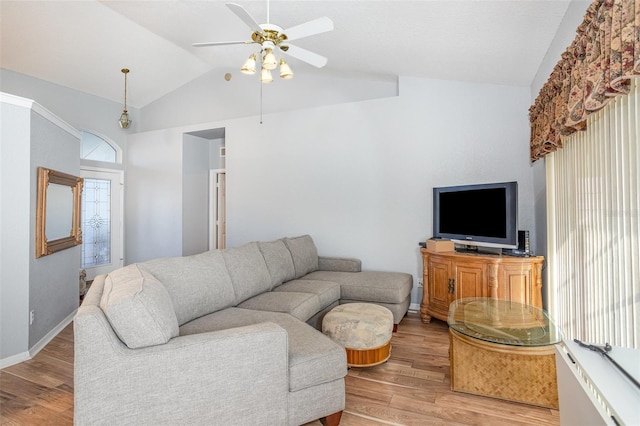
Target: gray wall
<point>80,110</point>
<point>32,137</point>
<point>195,194</point>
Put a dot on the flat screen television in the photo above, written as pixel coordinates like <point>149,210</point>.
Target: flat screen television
<point>484,215</point>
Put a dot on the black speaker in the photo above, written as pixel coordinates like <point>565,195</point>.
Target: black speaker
<point>524,246</point>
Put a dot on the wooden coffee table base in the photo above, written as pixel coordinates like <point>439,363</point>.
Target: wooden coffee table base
<point>514,373</point>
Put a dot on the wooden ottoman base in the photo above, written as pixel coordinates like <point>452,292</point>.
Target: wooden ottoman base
<point>514,373</point>
<point>368,357</point>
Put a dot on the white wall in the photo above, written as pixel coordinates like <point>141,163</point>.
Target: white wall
<point>358,176</point>
<point>15,197</point>
<point>212,98</point>
<point>153,196</point>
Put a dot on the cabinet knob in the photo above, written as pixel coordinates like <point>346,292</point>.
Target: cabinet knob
<point>452,286</point>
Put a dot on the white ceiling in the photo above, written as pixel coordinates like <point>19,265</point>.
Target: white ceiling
<point>83,44</point>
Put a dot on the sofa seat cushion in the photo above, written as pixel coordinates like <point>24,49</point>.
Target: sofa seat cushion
<point>138,307</point>
<point>304,254</point>
<point>313,357</point>
<point>279,261</point>
<point>197,284</point>
<point>300,305</point>
<point>248,271</point>
<point>368,286</point>
<point>328,292</point>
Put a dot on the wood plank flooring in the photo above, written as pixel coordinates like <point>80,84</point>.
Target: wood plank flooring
<point>412,388</point>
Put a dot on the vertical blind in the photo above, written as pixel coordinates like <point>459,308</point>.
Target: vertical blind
<point>593,216</point>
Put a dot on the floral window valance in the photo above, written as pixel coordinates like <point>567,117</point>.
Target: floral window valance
<point>597,66</point>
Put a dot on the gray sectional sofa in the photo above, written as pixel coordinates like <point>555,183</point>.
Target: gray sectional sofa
<point>225,337</point>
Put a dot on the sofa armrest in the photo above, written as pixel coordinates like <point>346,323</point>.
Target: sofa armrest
<point>221,377</point>
<point>339,264</point>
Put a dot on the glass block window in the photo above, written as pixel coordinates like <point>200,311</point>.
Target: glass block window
<point>93,147</point>
<point>96,222</point>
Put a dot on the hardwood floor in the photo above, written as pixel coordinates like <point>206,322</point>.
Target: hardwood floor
<point>412,388</point>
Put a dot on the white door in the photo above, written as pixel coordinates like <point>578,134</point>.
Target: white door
<point>217,209</point>
<point>101,217</point>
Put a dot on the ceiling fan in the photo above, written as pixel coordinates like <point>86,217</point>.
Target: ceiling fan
<point>273,39</point>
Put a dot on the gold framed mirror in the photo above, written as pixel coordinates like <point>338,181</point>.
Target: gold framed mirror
<point>57,211</point>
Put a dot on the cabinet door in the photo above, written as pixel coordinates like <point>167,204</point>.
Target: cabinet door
<point>470,280</point>
<point>439,275</point>
<point>516,283</point>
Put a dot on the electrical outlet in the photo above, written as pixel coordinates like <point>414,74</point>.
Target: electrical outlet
<point>420,284</point>
<point>32,317</point>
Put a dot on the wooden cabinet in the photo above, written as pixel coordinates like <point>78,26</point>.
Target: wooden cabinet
<point>448,276</point>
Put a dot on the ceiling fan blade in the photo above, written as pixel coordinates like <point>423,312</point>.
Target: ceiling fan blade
<point>317,26</point>
<point>306,56</point>
<point>221,43</point>
<point>244,15</point>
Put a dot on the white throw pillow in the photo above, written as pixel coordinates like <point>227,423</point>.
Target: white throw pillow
<point>138,307</point>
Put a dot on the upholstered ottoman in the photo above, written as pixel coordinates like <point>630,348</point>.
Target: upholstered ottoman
<point>364,329</point>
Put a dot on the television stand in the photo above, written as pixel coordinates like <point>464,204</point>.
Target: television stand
<point>449,276</point>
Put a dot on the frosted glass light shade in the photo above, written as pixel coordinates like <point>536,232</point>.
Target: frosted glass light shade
<point>269,61</point>
<point>265,76</point>
<point>285,70</point>
<point>249,66</point>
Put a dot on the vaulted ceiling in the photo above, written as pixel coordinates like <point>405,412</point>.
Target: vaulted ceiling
<point>84,44</point>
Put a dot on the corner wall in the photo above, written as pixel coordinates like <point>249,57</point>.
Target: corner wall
<point>32,137</point>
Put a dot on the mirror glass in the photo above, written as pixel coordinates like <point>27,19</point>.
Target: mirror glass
<point>59,211</point>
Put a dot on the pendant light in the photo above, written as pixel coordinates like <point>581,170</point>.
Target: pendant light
<point>124,120</point>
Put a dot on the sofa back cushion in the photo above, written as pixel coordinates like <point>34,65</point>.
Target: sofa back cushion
<point>248,271</point>
<point>138,307</point>
<point>278,260</point>
<point>304,254</point>
<point>198,285</point>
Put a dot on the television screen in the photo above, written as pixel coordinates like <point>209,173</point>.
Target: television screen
<point>482,214</point>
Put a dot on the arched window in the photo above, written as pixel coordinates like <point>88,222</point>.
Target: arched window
<point>96,148</point>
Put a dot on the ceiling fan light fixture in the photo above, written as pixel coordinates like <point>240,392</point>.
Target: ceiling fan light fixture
<point>285,70</point>
<point>269,60</point>
<point>249,66</point>
<point>124,120</point>
<point>265,76</point>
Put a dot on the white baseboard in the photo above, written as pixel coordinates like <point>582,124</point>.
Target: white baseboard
<point>14,359</point>
<point>50,335</point>
<point>25,356</point>
<point>414,307</point>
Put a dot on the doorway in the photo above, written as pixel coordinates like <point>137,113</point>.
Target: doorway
<point>101,220</point>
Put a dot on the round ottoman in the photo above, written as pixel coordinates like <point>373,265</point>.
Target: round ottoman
<point>364,329</point>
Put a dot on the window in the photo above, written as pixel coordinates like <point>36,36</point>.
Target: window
<point>593,208</point>
<point>93,147</point>
<point>96,222</point>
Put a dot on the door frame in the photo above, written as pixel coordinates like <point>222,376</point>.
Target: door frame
<point>214,225</point>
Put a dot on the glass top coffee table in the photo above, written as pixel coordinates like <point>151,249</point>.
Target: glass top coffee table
<point>503,322</point>
<point>503,349</point>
